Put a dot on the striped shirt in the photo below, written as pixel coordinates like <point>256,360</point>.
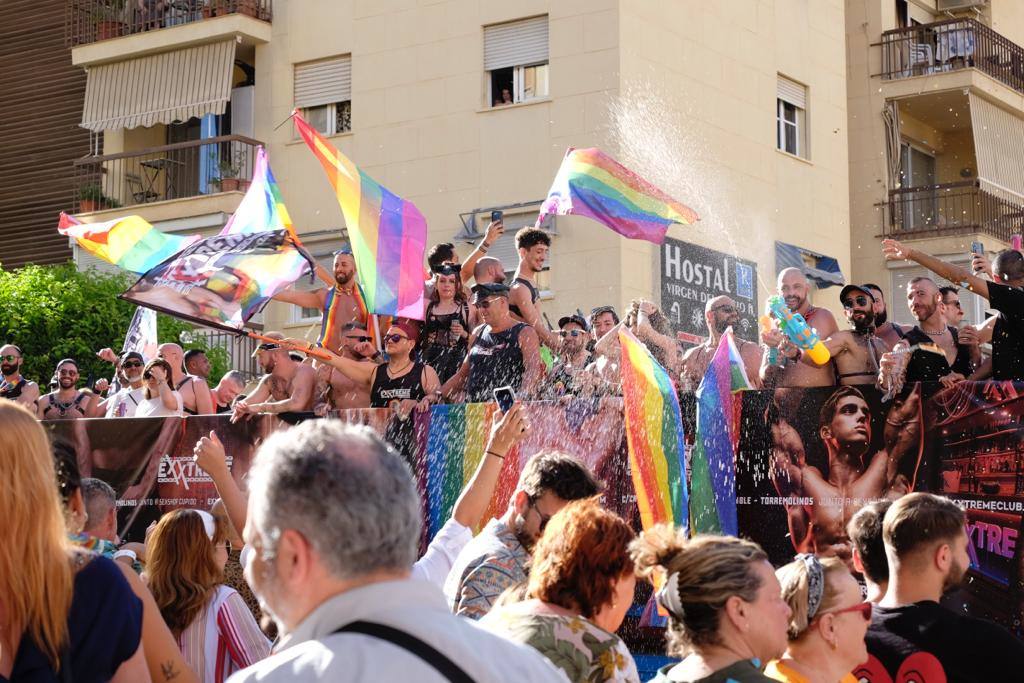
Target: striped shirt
<point>223,639</point>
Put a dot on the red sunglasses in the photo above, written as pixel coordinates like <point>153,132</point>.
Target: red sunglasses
<point>864,608</point>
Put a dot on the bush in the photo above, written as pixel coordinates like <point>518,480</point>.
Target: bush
<point>55,312</point>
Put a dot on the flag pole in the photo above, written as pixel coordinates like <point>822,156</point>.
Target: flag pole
<point>307,348</point>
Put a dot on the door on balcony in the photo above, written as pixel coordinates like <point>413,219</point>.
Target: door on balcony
<point>917,180</point>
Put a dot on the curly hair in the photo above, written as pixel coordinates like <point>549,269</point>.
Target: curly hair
<point>562,474</point>
<point>531,236</point>
<point>583,551</point>
<point>711,570</point>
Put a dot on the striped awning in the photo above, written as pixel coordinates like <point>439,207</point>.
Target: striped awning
<point>824,272</point>
<point>160,88</point>
<point>999,149</point>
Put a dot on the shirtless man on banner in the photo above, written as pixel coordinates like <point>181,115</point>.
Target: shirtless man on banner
<point>823,506</point>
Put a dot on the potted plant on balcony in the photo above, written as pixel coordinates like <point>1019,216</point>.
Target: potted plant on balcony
<point>91,198</point>
<point>229,172</point>
<point>108,18</point>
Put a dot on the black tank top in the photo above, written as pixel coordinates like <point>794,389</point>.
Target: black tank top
<point>495,361</point>
<point>437,327</point>
<point>386,389</point>
<point>13,391</point>
<point>188,378</point>
<point>925,366</point>
<point>534,295</point>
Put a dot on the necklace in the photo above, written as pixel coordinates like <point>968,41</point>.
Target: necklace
<point>395,373</point>
<point>934,334</point>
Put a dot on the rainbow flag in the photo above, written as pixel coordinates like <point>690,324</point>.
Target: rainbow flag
<point>590,183</point>
<point>713,467</point>
<point>388,233</point>
<point>130,242</point>
<point>262,208</point>
<point>654,435</point>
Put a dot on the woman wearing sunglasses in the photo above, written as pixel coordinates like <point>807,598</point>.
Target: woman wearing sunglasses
<point>158,398</point>
<point>830,618</point>
<point>448,321</point>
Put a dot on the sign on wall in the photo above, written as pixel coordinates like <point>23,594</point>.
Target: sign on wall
<point>690,275</point>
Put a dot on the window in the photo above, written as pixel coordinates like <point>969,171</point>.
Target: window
<point>516,60</point>
<point>323,90</point>
<point>791,117</point>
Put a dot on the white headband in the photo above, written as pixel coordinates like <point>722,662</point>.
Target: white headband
<point>209,523</point>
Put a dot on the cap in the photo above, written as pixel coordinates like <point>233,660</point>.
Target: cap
<point>601,310</point>
<point>131,354</point>
<point>566,319</point>
<point>855,288</point>
<point>486,289</point>
<point>410,327</point>
<point>346,250</point>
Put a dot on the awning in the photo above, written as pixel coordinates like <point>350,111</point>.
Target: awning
<point>999,148</point>
<point>161,88</point>
<point>820,269</point>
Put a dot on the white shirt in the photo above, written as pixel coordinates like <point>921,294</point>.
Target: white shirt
<point>154,407</point>
<point>314,653</point>
<point>125,402</point>
<point>441,553</point>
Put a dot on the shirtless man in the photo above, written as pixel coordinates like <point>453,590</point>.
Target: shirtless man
<point>338,304</point>
<point>887,331</point>
<point>857,352</point>
<point>533,244</point>
<point>13,386</point>
<point>196,398</point>
<point>720,313</point>
<point>67,403</point>
<point>230,386</point>
<point>794,288</point>
<point>335,390</point>
<point>855,477</point>
<point>288,386</point>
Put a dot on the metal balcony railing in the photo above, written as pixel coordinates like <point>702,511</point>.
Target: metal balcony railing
<point>177,171</point>
<point>88,21</point>
<point>949,209</point>
<point>949,46</point>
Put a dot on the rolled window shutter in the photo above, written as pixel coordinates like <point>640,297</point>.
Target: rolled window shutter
<point>792,92</point>
<point>323,82</point>
<point>516,43</point>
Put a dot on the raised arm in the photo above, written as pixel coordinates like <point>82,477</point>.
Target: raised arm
<point>786,473</point>
<point>314,299</point>
<point>355,370</point>
<point>506,431</point>
<point>895,251</point>
<point>494,231</point>
<point>209,455</point>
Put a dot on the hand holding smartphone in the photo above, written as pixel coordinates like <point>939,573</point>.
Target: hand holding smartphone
<point>505,397</point>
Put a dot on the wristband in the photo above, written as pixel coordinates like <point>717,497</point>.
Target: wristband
<point>127,553</point>
<point>500,457</point>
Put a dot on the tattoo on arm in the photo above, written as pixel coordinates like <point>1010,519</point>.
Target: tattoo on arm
<point>169,671</point>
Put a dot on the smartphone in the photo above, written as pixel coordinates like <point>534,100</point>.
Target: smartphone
<point>505,397</point>
<point>496,216</point>
<point>977,248</point>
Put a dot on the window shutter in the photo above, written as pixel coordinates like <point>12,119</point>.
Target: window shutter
<point>517,43</point>
<point>323,82</point>
<point>792,92</point>
<point>504,249</point>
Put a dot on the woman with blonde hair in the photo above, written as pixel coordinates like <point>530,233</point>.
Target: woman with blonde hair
<point>830,618</point>
<point>65,614</point>
<point>580,588</point>
<point>185,569</point>
<point>726,615</point>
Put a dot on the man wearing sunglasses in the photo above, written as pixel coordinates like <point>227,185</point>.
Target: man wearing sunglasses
<point>720,313</point>
<point>335,389</point>
<point>288,386</point>
<point>13,386</point>
<point>566,377</point>
<point>857,352</point>
<point>67,402</point>
<point>124,402</point>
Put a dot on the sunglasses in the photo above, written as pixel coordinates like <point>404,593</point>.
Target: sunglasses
<point>864,608</point>
<point>393,338</point>
<point>570,333</point>
<point>268,347</point>
<point>486,303</point>
<point>447,269</point>
<point>359,337</point>
<point>131,364</point>
<point>544,519</point>
<point>857,300</point>
<point>9,359</point>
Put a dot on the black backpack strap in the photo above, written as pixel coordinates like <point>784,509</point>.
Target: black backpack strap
<point>411,644</point>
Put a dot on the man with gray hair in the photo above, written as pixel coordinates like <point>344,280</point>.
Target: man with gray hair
<point>334,523</point>
<point>100,509</point>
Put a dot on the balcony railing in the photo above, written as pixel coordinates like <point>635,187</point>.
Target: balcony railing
<point>88,21</point>
<point>949,46</point>
<point>951,208</point>
<point>185,169</point>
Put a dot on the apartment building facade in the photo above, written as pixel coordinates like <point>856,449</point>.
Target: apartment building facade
<point>737,109</point>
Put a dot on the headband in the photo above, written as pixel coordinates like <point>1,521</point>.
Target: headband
<point>209,523</point>
<point>668,596</point>
<point>815,583</point>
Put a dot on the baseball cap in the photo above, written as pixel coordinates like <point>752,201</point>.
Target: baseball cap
<point>411,329</point>
<point>574,318</point>
<point>486,289</point>
<point>855,288</point>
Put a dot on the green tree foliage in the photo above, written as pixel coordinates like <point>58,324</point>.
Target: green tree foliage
<point>55,312</point>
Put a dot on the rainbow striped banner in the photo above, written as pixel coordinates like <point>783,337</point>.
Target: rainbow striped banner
<point>130,242</point>
<point>388,233</point>
<point>654,434</point>
<point>262,208</point>
<point>713,476</point>
<point>590,183</point>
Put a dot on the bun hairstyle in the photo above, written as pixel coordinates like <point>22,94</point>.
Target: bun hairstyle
<point>701,575</point>
<point>796,580</point>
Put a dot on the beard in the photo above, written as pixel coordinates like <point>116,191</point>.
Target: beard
<point>954,578</point>
<point>66,383</point>
<point>865,323</point>
<point>9,370</point>
<point>133,379</point>
<point>343,280</point>
<point>524,539</point>
<point>880,318</point>
<point>795,302</point>
<point>927,311</point>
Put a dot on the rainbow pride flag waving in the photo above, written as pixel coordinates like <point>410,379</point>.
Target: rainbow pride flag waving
<point>590,183</point>
<point>654,435</point>
<point>388,233</point>
<point>713,470</point>
<point>130,242</point>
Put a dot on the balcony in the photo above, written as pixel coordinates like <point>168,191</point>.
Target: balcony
<point>163,175</point>
<point>959,208</point>
<point>952,45</point>
<point>90,21</point>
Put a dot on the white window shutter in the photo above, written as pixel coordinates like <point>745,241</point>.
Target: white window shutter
<point>516,43</point>
<point>323,82</point>
<point>792,92</point>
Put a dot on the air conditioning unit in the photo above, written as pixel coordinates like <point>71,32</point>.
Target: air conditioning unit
<point>959,5</point>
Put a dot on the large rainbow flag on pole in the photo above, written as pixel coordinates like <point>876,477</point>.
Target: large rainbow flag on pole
<point>654,435</point>
<point>590,183</point>
<point>713,475</point>
<point>130,242</point>
<point>388,233</point>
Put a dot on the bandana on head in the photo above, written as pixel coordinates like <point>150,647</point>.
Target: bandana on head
<point>815,583</point>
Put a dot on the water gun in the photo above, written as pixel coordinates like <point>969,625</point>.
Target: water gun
<point>798,331</point>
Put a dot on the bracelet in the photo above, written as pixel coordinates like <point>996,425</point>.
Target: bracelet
<point>500,457</point>
<point>127,553</point>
